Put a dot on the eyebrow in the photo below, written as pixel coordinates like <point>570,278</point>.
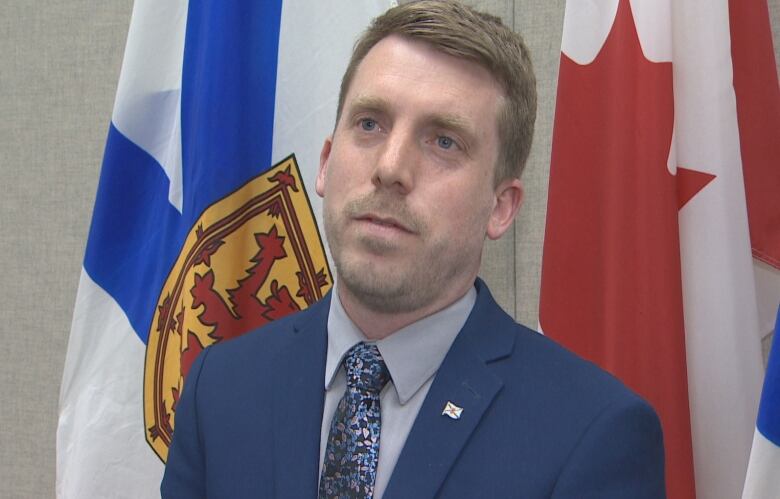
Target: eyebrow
<point>453,122</point>
<point>368,103</point>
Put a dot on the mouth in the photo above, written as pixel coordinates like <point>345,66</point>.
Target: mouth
<point>384,222</point>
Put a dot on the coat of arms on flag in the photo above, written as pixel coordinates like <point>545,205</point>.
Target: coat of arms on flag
<point>194,240</point>
<point>251,258</point>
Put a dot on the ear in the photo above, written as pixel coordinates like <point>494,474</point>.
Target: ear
<point>509,197</point>
<point>319,185</point>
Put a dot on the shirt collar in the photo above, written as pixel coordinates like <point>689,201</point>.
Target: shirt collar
<point>412,354</point>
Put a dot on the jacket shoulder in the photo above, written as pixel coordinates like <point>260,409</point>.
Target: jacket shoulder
<point>563,371</point>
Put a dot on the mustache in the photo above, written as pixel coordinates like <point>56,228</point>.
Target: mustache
<point>387,207</point>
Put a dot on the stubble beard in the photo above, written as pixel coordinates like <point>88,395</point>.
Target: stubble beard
<point>412,285</point>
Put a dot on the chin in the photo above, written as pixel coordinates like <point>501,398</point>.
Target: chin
<point>380,291</point>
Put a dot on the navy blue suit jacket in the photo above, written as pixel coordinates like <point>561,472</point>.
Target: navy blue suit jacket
<point>537,420</point>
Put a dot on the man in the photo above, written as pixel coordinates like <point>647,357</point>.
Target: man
<point>408,380</point>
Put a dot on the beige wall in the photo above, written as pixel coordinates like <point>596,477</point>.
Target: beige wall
<point>59,63</point>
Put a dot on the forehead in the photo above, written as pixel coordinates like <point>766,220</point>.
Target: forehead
<point>413,75</point>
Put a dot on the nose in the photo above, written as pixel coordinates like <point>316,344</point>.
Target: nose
<point>396,161</point>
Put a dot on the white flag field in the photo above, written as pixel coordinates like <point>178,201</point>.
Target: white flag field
<point>211,96</point>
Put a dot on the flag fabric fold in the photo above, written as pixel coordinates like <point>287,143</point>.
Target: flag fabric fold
<point>219,117</point>
<point>758,113</point>
<point>647,265</point>
<point>763,480</point>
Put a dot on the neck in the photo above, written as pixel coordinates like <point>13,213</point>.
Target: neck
<point>377,325</point>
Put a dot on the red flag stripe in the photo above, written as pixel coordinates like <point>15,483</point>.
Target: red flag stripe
<point>611,276</point>
<point>758,114</point>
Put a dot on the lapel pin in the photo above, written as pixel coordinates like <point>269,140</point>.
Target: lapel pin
<point>452,410</point>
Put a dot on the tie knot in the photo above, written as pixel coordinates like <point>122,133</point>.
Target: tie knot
<point>366,371</point>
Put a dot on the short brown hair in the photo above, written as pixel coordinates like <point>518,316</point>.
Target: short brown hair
<point>462,32</point>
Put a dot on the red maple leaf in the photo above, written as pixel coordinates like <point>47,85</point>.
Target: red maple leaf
<point>611,285</point>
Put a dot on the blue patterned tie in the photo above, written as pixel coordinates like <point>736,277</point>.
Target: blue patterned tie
<point>349,468</point>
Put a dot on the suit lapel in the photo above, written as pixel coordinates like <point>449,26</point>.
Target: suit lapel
<point>298,402</point>
<point>464,378</point>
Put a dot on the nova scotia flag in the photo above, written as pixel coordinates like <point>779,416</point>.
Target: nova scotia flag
<point>211,96</point>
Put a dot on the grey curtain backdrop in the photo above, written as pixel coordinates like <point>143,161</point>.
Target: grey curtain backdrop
<point>59,65</point>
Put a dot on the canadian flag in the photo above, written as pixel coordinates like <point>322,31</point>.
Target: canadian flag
<point>647,267</point>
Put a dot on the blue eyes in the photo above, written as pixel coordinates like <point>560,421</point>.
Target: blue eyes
<point>444,142</point>
<point>368,125</point>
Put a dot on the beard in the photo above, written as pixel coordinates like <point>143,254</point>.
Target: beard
<point>418,278</point>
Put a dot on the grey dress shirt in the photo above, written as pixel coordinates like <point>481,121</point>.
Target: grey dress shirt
<point>412,354</point>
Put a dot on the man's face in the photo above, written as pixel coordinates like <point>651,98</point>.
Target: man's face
<point>407,178</point>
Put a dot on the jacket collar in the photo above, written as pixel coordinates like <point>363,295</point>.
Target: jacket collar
<point>435,440</point>
<point>464,378</point>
